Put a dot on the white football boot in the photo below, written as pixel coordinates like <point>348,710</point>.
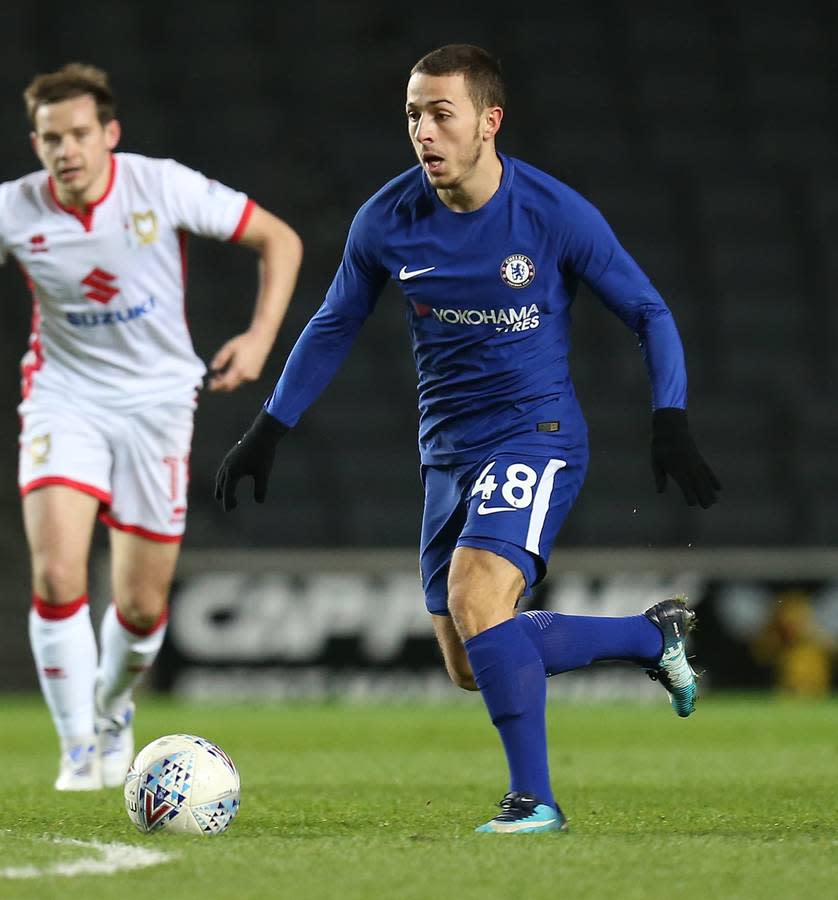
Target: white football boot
<point>80,769</point>
<point>116,745</point>
<point>116,742</point>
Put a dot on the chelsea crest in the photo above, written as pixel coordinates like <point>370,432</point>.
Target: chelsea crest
<point>517,270</point>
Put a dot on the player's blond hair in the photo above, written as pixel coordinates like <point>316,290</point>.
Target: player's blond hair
<point>72,80</point>
<point>482,72</point>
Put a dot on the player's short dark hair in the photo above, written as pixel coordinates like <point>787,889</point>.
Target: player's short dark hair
<point>72,80</point>
<point>480,69</point>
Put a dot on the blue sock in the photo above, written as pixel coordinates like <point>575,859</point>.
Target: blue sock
<point>510,675</point>
<point>571,642</point>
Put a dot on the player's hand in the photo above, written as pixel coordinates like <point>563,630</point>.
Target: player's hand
<point>240,360</point>
<point>252,455</point>
<point>674,453</point>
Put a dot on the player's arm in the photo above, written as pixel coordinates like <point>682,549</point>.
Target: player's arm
<point>594,254</point>
<point>314,360</point>
<point>3,214</point>
<point>280,253</point>
<point>199,205</point>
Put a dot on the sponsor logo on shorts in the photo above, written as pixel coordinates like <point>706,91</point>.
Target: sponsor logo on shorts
<point>114,317</point>
<point>510,319</point>
<point>38,244</point>
<point>484,510</point>
<point>39,448</point>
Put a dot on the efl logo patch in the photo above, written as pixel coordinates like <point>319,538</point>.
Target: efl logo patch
<point>145,226</point>
<point>101,288</point>
<point>39,448</point>
<point>517,270</point>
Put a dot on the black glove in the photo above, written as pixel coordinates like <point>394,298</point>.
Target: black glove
<point>674,453</point>
<point>252,455</point>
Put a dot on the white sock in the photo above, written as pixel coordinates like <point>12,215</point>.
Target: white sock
<point>127,653</point>
<point>64,647</point>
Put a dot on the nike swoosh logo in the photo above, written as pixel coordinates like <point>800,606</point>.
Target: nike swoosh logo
<point>484,510</point>
<point>404,275</point>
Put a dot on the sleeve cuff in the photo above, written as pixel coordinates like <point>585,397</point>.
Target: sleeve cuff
<point>245,218</point>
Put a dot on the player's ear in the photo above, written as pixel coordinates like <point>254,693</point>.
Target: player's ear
<point>492,118</point>
<point>113,132</point>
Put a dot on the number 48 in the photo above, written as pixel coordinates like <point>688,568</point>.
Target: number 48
<point>516,490</point>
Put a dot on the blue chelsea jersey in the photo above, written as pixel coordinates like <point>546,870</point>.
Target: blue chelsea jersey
<point>488,308</point>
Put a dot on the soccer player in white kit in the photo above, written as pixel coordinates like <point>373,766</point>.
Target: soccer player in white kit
<point>109,389</point>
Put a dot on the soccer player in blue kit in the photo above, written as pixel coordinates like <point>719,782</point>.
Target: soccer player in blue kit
<point>489,252</point>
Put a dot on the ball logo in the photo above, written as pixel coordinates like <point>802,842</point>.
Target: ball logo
<point>517,270</point>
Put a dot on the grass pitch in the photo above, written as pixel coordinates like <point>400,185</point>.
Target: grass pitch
<point>368,802</point>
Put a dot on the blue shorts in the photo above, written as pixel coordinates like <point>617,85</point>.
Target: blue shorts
<point>512,504</point>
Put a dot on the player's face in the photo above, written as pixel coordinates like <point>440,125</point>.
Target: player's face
<point>75,147</point>
<point>448,134</point>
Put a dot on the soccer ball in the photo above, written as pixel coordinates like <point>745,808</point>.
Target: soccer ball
<point>182,783</point>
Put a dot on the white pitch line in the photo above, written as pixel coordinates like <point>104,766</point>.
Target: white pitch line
<point>114,858</point>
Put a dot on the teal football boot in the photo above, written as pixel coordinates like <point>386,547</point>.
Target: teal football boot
<point>524,814</point>
<point>675,620</point>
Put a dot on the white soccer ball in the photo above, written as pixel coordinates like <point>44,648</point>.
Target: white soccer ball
<point>182,783</point>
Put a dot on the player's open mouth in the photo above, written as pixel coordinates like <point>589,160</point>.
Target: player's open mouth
<point>70,173</point>
<point>432,163</point>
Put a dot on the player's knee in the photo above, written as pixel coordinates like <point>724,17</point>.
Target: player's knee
<point>483,590</point>
<point>461,594</point>
<point>458,602</point>
<point>57,580</point>
<point>142,609</point>
<point>467,604</point>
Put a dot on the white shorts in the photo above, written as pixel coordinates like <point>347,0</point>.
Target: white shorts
<point>136,464</point>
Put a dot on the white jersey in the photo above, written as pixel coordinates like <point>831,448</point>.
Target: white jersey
<point>109,319</point>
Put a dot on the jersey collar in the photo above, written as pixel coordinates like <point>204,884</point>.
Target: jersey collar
<point>491,203</point>
<point>86,217</point>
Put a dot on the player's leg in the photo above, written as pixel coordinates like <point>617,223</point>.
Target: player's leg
<point>483,592</point>
<point>485,588</point>
<point>516,503</point>
<point>535,496</point>
<point>573,642</point>
<point>146,518</point>
<point>132,633</point>
<point>655,640</point>
<point>59,522</point>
